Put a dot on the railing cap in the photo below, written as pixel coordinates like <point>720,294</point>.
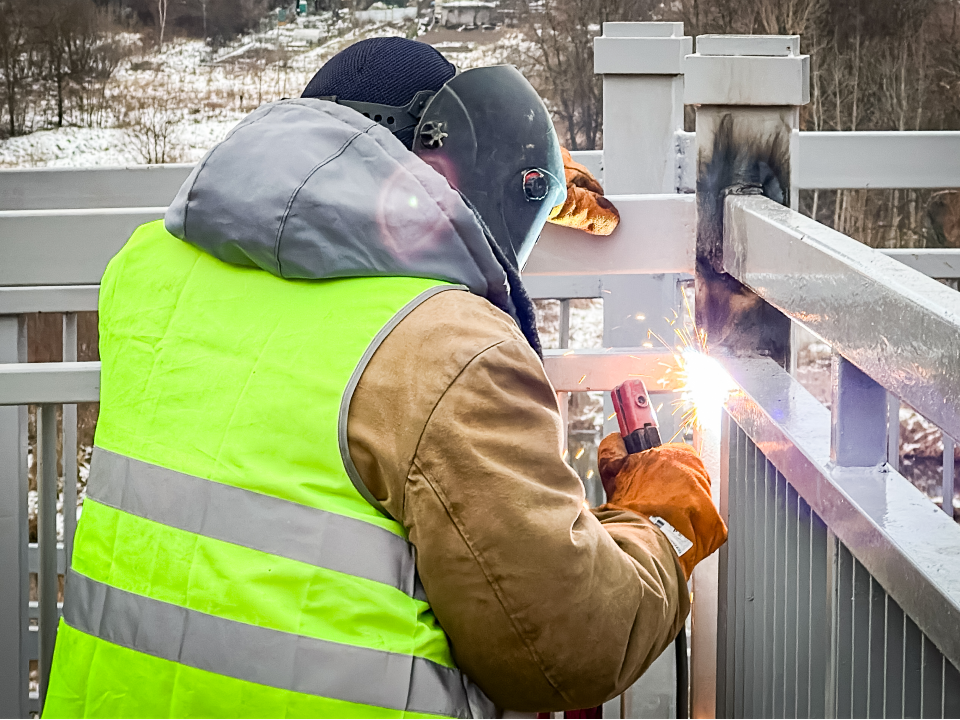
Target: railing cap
<point>749,45</point>
<point>641,48</point>
<point>747,70</point>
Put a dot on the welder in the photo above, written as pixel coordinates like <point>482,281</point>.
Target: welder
<point>327,479</point>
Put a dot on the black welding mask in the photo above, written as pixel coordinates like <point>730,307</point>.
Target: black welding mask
<point>489,134</point>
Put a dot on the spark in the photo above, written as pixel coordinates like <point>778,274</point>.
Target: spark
<point>563,455</point>
<point>579,454</point>
<point>704,385</point>
<point>568,352</point>
<point>589,474</point>
<point>640,316</point>
<point>611,416</point>
<point>582,379</point>
<point>586,505</point>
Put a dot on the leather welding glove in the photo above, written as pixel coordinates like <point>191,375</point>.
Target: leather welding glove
<point>585,207</point>
<point>667,482</point>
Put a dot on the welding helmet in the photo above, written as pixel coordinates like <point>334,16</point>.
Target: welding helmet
<point>489,134</point>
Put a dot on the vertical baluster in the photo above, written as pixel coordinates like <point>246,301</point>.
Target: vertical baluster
<point>893,662</point>
<point>15,586</point>
<point>949,473</point>
<point>69,445</point>
<point>893,431</point>
<point>47,537</point>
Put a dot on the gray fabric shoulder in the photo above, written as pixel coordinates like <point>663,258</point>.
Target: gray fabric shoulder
<point>308,189</point>
<point>378,339</point>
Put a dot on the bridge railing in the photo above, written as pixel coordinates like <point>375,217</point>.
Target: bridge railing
<point>788,618</point>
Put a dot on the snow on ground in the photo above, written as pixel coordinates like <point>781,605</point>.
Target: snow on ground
<point>201,94</point>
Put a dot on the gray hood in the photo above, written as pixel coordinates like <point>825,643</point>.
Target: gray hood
<point>308,189</point>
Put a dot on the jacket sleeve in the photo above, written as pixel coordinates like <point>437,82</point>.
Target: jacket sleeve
<point>547,605</point>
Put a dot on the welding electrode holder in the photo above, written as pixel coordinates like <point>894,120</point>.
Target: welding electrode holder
<point>638,428</point>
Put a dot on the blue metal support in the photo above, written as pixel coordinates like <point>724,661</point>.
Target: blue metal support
<point>858,417</point>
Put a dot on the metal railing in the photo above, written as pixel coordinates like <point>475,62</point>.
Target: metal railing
<point>833,555</point>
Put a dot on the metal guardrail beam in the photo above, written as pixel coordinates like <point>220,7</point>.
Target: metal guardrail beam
<point>65,247</point>
<point>897,325</point>
<point>944,264</point>
<point>50,298</point>
<point>656,234</point>
<point>899,536</point>
<point>588,370</point>
<point>568,370</point>
<point>108,187</point>
<point>49,383</point>
<point>879,160</point>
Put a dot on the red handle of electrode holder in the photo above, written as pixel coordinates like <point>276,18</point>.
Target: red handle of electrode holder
<point>636,416</point>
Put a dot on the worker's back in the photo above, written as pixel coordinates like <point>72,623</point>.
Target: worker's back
<point>225,563</point>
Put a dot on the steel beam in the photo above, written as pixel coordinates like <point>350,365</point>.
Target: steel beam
<point>898,326</point>
<point>111,187</point>
<point>65,247</point>
<point>44,383</point>
<point>588,370</point>
<point>858,417</point>
<point>941,264</point>
<point>49,298</point>
<point>656,235</point>
<point>879,160</point>
<point>905,542</point>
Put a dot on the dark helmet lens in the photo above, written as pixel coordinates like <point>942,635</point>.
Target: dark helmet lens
<point>536,185</point>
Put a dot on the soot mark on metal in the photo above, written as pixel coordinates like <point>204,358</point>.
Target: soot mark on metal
<point>746,157</point>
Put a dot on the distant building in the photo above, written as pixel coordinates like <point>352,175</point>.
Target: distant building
<point>469,13</point>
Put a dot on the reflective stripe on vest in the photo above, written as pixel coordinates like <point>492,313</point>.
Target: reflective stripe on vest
<point>261,655</point>
<point>253,520</point>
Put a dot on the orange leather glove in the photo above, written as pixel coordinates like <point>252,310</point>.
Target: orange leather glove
<point>669,482</point>
<point>585,207</point>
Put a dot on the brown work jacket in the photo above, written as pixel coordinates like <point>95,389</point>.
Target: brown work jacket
<point>548,605</point>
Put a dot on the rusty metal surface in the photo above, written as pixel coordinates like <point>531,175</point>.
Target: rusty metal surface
<point>897,325</point>
<point>899,536</point>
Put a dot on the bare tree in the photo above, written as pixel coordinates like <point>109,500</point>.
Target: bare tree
<point>14,59</point>
<point>162,6</point>
<point>561,66</point>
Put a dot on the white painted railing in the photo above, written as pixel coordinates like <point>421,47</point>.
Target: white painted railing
<point>59,228</point>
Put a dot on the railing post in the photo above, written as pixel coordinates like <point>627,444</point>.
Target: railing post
<point>748,91</point>
<point>642,68</point>
<point>858,417</point>
<point>14,587</point>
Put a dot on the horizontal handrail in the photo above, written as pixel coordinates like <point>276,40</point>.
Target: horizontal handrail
<point>568,370</point>
<point>827,160</point>
<point>887,159</point>
<point>65,247</point>
<point>49,298</point>
<point>898,535</point>
<point>657,234</point>
<point>98,187</point>
<point>49,383</point>
<point>73,247</point>
<point>935,263</point>
<point>894,323</point>
<point>589,370</point>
